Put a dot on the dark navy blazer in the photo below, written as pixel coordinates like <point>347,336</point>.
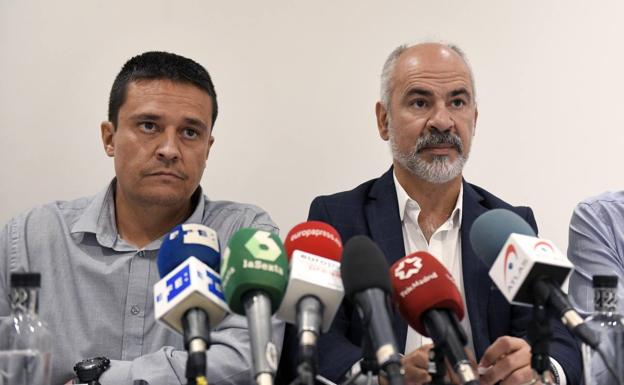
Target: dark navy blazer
<point>372,209</point>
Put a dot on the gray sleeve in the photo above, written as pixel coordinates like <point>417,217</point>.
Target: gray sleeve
<point>262,220</point>
<point>228,359</point>
<point>592,250</point>
<point>4,273</point>
<point>229,356</point>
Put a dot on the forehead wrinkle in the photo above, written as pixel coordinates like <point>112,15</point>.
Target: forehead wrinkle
<point>432,81</point>
<point>433,63</point>
<point>164,97</point>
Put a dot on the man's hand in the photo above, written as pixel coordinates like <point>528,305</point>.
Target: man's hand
<point>507,360</point>
<point>416,364</point>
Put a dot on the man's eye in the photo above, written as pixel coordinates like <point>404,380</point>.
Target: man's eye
<point>148,126</point>
<point>419,103</point>
<point>190,133</point>
<point>458,103</point>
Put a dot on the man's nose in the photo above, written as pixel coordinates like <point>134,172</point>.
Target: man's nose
<point>169,146</point>
<point>441,118</point>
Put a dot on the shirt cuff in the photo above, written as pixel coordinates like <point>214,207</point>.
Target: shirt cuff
<point>560,377</point>
<point>117,373</point>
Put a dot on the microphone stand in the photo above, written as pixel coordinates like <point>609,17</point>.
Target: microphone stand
<point>196,341</point>
<point>540,333</point>
<point>368,364</point>
<point>306,374</point>
<point>309,311</point>
<point>437,366</point>
<point>369,361</point>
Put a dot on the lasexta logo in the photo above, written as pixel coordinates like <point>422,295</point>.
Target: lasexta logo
<point>263,247</point>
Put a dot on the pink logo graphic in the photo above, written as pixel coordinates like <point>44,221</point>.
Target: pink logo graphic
<point>510,261</point>
<point>543,246</point>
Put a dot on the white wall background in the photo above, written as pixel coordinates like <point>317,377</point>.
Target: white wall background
<point>297,82</point>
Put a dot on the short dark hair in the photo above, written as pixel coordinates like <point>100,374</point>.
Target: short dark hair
<point>156,65</point>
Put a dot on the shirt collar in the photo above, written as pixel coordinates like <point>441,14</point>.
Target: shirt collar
<point>403,199</point>
<point>99,218</point>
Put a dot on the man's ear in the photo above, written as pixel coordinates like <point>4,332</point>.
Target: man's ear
<point>474,130</point>
<point>210,143</point>
<point>108,136</point>
<point>382,120</point>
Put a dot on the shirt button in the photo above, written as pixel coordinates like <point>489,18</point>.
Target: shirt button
<point>135,310</point>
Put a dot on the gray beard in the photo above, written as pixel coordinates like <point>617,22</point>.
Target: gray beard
<point>440,170</point>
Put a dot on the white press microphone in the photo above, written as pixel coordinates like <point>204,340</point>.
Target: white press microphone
<point>188,263</point>
<point>314,292</point>
<point>189,297</point>
<point>522,264</point>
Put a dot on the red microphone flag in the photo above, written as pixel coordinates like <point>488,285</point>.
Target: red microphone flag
<point>422,283</point>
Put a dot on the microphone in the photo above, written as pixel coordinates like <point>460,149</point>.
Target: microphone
<point>314,291</point>
<point>367,284</point>
<point>254,271</point>
<point>189,298</point>
<point>525,267</point>
<point>431,304</point>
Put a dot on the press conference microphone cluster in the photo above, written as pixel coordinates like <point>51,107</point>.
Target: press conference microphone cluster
<point>431,304</point>
<point>254,271</point>
<point>314,291</point>
<point>189,298</point>
<point>367,284</point>
<point>526,268</point>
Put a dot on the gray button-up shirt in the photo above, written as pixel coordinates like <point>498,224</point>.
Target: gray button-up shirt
<point>596,246</point>
<point>96,291</point>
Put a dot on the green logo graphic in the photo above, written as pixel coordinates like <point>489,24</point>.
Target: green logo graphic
<point>262,246</point>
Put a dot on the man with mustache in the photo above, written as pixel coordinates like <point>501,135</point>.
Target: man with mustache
<point>97,255</point>
<point>428,113</point>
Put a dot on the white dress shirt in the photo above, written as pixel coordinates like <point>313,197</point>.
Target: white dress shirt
<point>445,245</point>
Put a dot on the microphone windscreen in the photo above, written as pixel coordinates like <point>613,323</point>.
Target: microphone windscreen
<point>364,266</point>
<point>316,238</point>
<point>188,240</point>
<point>422,283</point>
<point>490,231</point>
<point>254,260</point>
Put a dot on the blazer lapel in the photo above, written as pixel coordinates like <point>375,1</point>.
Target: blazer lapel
<point>384,224</point>
<point>382,215</point>
<point>475,273</point>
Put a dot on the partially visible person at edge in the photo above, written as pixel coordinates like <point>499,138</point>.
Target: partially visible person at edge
<point>596,246</point>
<point>428,114</point>
<point>97,255</point>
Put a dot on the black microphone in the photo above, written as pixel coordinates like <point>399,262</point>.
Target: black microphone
<point>366,283</point>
